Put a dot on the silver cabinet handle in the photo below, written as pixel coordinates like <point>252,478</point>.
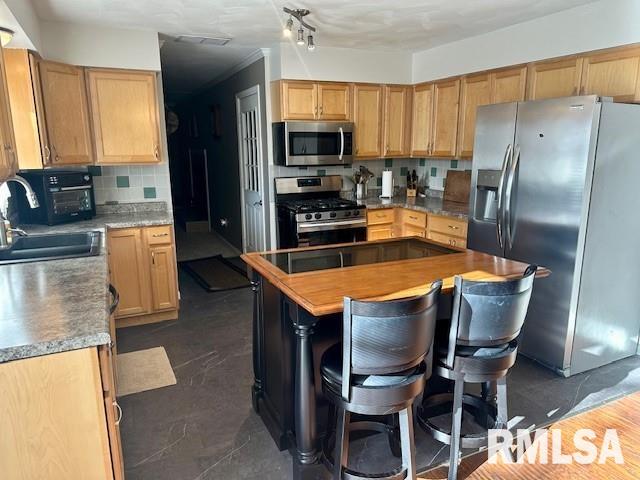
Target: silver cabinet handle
<point>413,218</point>
<point>453,227</point>
<point>153,258</point>
<point>508,193</point>
<point>161,234</point>
<point>115,404</point>
<point>156,152</point>
<point>500,213</point>
<point>47,153</point>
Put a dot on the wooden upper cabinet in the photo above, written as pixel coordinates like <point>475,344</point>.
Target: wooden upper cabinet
<point>66,114</point>
<point>475,90</point>
<point>124,109</point>
<point>129,271</point>
<point>445,118</point>
<point>299,100</point>
<point>560,78</point>
<point>367,100</point>
<point>26,108</point>
<point>508,85</point>
<point>612,74</point>
<point>8,158</point>
<point>422,119</point>
<point>334,101</point>
<point>396,120</point>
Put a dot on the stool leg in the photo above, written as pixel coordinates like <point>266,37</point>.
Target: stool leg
<point>407,441</point>
<point>456,426</point>
<point>502,419</point>
<point>341,455</point>
<point>393,436</point>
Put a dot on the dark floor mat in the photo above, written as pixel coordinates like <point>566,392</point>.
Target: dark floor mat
<point>216,274</point>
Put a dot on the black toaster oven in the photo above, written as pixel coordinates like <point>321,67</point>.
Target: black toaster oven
<point>64,196</point>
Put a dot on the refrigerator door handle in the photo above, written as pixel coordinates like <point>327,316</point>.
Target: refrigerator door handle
<point>500,209</point>
<point>509,192</point>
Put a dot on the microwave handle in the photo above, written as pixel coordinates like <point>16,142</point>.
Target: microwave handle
<point>341,144</point>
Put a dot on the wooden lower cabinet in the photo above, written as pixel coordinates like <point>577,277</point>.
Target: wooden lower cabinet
<point>380,224</point>
<point>380,232</point>
<point>54,423</point>
<point>142,264</point>
<point>447,230</point>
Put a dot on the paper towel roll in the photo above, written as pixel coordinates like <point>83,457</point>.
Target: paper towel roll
<point>387,184</point>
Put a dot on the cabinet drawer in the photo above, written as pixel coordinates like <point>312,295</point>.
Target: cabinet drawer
<point>448,240</point>
<point>377,217</point>
<point>382,232</point>
<point>409,230</point>
<point>411,217</point>
<point>448,226</point>
<point>160,235</point>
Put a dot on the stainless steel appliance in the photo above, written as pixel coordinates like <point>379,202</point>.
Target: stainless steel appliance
<point>63,195</point>
<point>311,212</point>
<point>312,143</point>
<point>554,183</point>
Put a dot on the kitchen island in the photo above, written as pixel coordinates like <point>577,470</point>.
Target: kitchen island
<point>298,315</point>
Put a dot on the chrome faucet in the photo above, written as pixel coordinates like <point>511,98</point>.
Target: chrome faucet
<point>5,227</point>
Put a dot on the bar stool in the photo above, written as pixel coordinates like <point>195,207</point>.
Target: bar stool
<point>379,369</point>
<point>480,346</point>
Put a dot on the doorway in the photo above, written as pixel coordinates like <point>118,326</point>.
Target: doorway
<point>252,203</point>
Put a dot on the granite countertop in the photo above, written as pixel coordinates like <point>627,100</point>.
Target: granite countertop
<point>60,305</point>
<point>429,204</point>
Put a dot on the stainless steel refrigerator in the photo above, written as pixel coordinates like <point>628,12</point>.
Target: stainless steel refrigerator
<point>557,183</point>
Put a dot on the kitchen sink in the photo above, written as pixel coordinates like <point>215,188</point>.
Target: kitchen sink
<point>35,248</point>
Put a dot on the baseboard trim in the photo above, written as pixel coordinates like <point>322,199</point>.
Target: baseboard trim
<point>145,319</point>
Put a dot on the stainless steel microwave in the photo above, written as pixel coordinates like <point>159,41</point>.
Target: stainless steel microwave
<point>312,143</point>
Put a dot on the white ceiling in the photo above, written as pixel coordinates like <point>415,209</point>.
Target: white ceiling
<point>385,24</point>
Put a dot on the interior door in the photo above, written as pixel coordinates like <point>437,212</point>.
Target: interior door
<point>545,199</point>
<point>250,152</point>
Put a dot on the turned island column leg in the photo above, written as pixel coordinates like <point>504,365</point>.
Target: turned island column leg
<point>256,390</point>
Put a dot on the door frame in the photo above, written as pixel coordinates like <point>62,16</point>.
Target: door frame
<point>255,90</point>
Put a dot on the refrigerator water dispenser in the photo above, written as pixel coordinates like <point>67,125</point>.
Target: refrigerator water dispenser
<point>486,198</point>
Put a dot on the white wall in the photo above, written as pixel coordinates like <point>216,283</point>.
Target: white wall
<point>99,46</point>
<point>26,26</point>
<point>342,64</point>
<point>603,24</point>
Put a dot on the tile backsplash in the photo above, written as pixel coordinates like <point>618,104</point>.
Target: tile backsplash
<point>127,184</point>
<point>432,173</point>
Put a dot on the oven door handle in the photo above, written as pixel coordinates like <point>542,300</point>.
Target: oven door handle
<point>79,187</point>
<point>341,144</point>
<point>338,225</point>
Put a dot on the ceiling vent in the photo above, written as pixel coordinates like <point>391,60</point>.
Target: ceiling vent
<point>200,40</point>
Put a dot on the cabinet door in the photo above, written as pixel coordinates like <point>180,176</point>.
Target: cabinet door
<point>554,79</point>
<point>422,117</point>
<point>380,232</point>
<point>163,278</point>
<point>508,85</point>
<point>368,120</point>
<point>475,90</point>
<point>24,114</point>
<point>614,74</point>
<point>445,118</point>
<point>112,409</point>
<point>299,100</point>
<point>396,106</point>
<point>124,110</point>
<point>8,159</point>
<point>64,97</point>
<point>413,231</point>
<point>129,271</point>
<point>334,100</point>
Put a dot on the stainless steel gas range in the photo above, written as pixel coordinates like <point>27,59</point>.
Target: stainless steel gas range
<point>311,212</point>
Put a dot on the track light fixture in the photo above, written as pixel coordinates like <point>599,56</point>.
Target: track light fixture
<point>299,14</point>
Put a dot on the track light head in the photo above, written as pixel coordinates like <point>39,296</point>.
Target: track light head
<point>286,31</point>
<point>311,46</point>
<point>300,40</point>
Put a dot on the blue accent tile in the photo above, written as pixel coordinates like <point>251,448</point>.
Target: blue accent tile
<point>434,171</point>
<point>454,163</point>
<point>303,168</point>
<point>404,171</point>
<point>423,162</point>
<point>122,181</point>
<point>322,173</point>
<point>347,167</point>
<point>95,171</point>
<point>388,162</point>
<point>149,192</point>
<point>379,181</point>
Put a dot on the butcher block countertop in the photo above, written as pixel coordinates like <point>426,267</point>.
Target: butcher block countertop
<point>321,292</point>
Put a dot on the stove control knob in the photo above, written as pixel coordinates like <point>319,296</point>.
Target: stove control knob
<point>347,213</point>
<point>357,212</point>
<point>318,216</point>
<point>308,216</point>
<point>333,214</point>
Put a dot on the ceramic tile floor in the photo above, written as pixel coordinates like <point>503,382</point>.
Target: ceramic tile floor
<point>203,428</point>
